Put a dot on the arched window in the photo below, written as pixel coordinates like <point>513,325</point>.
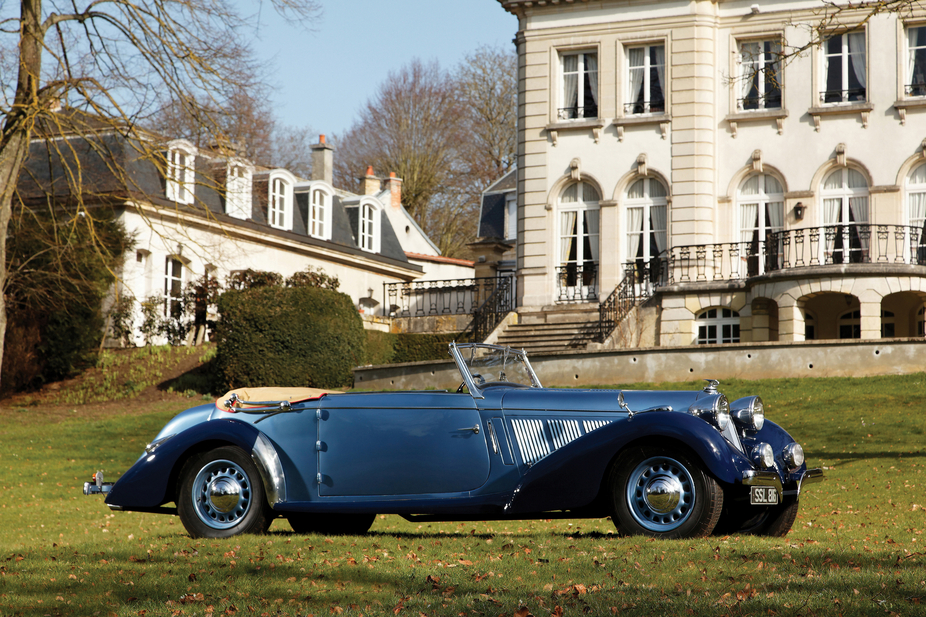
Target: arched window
<point>319,213</point>
<point>238,191</point>
<point>916,214</point>
<point>850,325</point>
<point>718,325</point>
<point>178,185</point>
<point>646,219</point>
<point>761,213</point>
<point>368,231</point>
<point>578,244</point>
<point>280,199</point>
<point>845,214</point>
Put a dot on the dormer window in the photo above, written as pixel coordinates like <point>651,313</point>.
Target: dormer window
<point>368,227</point>
<point>238,191</point>
<point>181,158</point>
<point>280,199</point>
<point>319,213</point>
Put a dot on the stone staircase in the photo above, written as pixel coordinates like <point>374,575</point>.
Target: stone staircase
<point>553,329</point>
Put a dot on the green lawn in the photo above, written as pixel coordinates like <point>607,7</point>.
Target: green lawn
<point>857,548</point>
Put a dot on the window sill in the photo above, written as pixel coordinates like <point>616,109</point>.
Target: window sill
<point>836,109</point>
<point>758,115</point>
<point>903,105</point>
<point>594,124</point>
<point>663,120</point>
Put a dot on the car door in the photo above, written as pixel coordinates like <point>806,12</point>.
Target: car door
<point>403,443</point>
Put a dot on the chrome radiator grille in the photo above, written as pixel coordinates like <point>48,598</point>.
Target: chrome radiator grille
<point>537,438</point>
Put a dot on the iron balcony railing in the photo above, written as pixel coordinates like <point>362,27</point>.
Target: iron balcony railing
<point>494,309</point>
<point>577,282</point>
<point>852,95</point>
<point>655,106</point>
<point>765,101</point>
<point>914,90</point>
<point>436,298</point>
<point>809,247</point>
<point>577,113</point>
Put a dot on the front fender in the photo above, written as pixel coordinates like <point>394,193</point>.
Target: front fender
<point>571,477</point>
<point>147,484</point>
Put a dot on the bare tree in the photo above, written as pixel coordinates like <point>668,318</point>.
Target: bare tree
<point>410,127</point>
<point>447,135</point>
<point>114,60</point>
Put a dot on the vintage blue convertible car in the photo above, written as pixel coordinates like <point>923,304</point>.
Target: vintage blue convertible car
<point>669,464</point>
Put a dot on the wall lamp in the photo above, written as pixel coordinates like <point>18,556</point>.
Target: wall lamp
<point>799,211</point>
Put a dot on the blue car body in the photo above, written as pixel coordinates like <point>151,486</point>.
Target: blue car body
<point>499,450</point>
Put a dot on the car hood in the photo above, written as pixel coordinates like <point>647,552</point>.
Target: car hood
<point>548,399</point>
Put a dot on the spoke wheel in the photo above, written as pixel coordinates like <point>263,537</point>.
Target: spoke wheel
<point>663,493</point>
<point>221,495</point>
<point>331,524</point>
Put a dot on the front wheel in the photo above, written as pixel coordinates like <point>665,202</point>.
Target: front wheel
<point>663,493</point>
<point>221,495</point>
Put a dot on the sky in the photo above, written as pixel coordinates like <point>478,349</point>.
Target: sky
<point>324,77</point>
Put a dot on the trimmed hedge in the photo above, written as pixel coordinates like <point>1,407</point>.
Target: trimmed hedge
<point>389,348</point>
<point>296,336</point>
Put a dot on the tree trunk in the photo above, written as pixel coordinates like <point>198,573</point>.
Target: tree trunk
<point>17,130</point>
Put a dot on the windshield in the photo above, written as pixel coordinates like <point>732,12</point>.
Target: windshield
<point>489,364</point>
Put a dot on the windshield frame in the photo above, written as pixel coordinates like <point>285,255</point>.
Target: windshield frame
<point>457,351</point>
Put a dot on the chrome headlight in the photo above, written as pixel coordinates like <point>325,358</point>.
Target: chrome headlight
<point>714,409</point>
<point>763,456</point>
<point>749,413</point>
<point>793,455</point>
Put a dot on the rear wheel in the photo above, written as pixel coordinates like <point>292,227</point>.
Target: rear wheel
<point>221,495</point>
<point>331,524</point>
<point>663,493</point>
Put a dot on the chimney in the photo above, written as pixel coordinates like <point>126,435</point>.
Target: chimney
<point>395,190</point>
<point>322,161</point>
<point>371,184</point>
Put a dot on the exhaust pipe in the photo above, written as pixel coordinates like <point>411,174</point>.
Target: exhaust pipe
<point>96,486</point>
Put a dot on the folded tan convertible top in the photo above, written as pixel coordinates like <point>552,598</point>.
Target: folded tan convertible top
<point>258,396</point>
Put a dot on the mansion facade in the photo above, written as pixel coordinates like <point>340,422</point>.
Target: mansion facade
<point>717,163</point>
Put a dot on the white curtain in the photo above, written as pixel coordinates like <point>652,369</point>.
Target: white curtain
<point>857,53</point>
<point>858,206</point>
<point>570,81</point>
<point>912,35</point>
<point>749,219</point>
<point>917,208</point>
<point>660,68</point>
<point>776,215</point>
<point>658,224</point>
<point>634,232</point>
<point>567,242</point>
<point>831,210</point>
<point>635,62</point>
<point>591,69</point>
<point>591,232</point>
<point>749,54</point>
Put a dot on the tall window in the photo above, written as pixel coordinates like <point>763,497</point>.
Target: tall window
<point>578,245</point>
<point>173,287</point>
<point>367,227</point>
<point>845,211</point>
<point>179,185</point>
<point>646,220</point>
<point>845,69</point>
<point>238,192</point>
<point>850,324</point>
<point>760,87</point>
<point>718,325</point>
<point>580,86</point>
<point>761,210</point>
<point>277,210</point>
<point>916,62</point>
<point>916,212</point>
<point>646,68</point>
<point>511,216</point>
<point>319,210</point>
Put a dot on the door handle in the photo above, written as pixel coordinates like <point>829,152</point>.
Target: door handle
<point>474,429</point>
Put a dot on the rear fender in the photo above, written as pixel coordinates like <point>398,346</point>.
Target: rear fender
<point>572,476</point>
<point>149,482</point>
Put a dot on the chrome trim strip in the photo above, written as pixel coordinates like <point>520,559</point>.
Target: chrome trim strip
<point>270,469</point>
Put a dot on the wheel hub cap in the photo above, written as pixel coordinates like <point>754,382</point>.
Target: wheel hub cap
<point>663,494</point>
<point>224,493</point>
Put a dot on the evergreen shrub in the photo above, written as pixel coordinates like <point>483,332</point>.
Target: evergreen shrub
<point>288,336</point>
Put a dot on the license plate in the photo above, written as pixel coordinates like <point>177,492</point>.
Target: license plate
<point>763,495</point>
